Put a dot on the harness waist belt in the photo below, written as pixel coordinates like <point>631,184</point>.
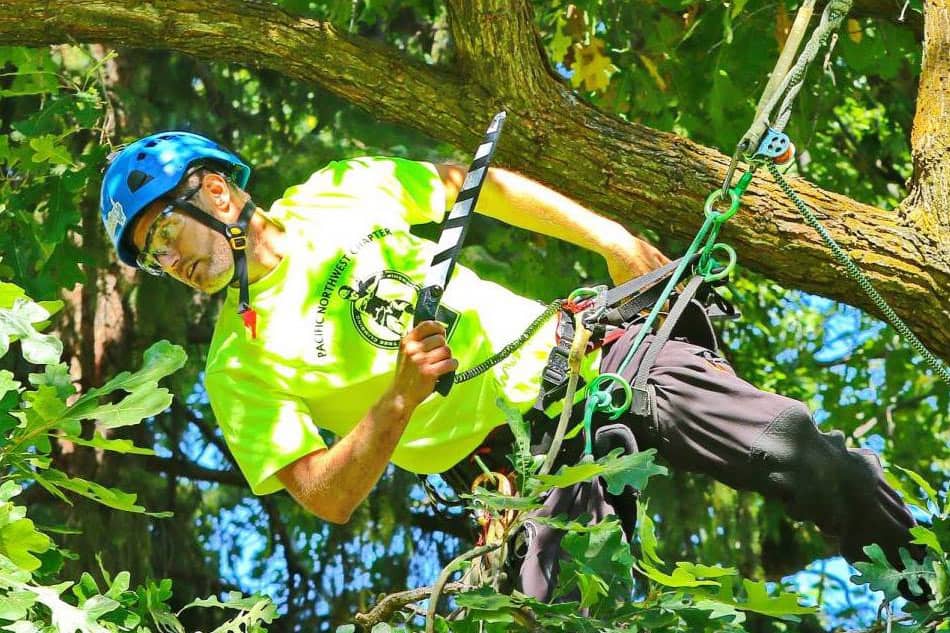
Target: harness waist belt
<point>619,308</point>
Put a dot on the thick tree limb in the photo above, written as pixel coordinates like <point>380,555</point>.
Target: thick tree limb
<point>635,174</point>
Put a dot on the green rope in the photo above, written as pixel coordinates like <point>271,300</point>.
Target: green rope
<point>706,240</point>
<point>855,273</point>
<point>509,349</point>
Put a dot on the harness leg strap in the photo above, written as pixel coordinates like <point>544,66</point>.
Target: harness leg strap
<point>642,392</point>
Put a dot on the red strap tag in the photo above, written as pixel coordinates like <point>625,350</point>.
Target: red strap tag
<point>250,321</point>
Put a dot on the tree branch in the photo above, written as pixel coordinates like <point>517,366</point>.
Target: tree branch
<point>637,175</point>
<point>458,527</point>
<point>497,44</point>
<point>392,603</point>
<point>180,468</point>
<point>207,432</point>
<point>443,579</point>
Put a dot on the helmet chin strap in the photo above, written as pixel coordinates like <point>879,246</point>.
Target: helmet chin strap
<point>237,237</point>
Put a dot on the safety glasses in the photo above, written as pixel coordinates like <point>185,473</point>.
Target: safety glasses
<point>164,232</point>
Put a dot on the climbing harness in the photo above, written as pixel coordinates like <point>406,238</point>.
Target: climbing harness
<point>772,148</point>
<point>453,235</point>
<point>592,316</point>
<point>577,349</point>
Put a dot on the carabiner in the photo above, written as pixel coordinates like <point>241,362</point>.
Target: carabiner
<point>731,170</point>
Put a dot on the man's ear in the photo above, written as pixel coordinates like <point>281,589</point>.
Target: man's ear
<point>218,197</point>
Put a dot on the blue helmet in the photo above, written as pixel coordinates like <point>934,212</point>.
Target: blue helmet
<point>148,169</point>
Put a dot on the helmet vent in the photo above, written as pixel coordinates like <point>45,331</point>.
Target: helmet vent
<point>137,179</point>
<point>152,143</point>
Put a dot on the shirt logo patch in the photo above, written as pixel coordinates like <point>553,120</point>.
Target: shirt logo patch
<point>115,220</point>
<point>381,307</point>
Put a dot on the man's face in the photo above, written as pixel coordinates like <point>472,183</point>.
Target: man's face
<point>186,249</point>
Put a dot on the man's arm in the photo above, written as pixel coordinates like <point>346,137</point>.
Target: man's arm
<point>522,202</point>
<point>332,482</point>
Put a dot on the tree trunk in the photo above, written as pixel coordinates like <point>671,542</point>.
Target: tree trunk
<point>927,208</point>
<point>635,174</point>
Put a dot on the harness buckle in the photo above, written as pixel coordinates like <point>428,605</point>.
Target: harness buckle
<point>642,401</point>
<point>594,312</point>
<point>237,237</point>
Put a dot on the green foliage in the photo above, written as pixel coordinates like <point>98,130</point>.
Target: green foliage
<point>596,586</point>
<point>18,536</point>
<point>49,412</point>
<point>686,66</point>
<point>28,602</point>
<point>881,576</point>
<point>922,576</point>
<point>619,471</point>
<point>253,612</point>
<point>16,323</point>
<point>49,161</point>
<point>599,566</point>
<point>598,571</point>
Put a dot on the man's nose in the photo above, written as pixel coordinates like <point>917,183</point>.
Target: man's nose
<point>170,260</point>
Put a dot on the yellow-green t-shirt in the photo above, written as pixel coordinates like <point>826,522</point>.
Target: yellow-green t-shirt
<point>330,317</point>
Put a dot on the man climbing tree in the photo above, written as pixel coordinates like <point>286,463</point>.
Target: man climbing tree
<point>290,356</point>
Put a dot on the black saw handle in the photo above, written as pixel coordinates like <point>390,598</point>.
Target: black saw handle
<point>426,308</point>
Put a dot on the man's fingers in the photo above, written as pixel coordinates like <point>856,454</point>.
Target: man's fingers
<point>425,330</point>
<point>438,354</point>
<point>430,343</point>
<point>444,366</point>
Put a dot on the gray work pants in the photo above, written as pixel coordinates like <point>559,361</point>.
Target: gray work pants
<point>705,419</point>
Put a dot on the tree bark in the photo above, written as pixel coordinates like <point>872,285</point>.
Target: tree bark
<point>927,208</point>
<point>637,175</point>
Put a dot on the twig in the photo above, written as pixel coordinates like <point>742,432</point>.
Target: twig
<point>392,603</point>
<point>889,414</point>
<point>561,425</point>
<point>526,618</point>
<point>444,578</point>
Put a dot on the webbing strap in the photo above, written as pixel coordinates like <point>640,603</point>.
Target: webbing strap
<point>628,311</point>
<point>637,284</point>
<point>641,395</point>
<point>831,18</point>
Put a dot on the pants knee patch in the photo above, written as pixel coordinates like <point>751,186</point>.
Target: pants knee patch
<point>785,436</point>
